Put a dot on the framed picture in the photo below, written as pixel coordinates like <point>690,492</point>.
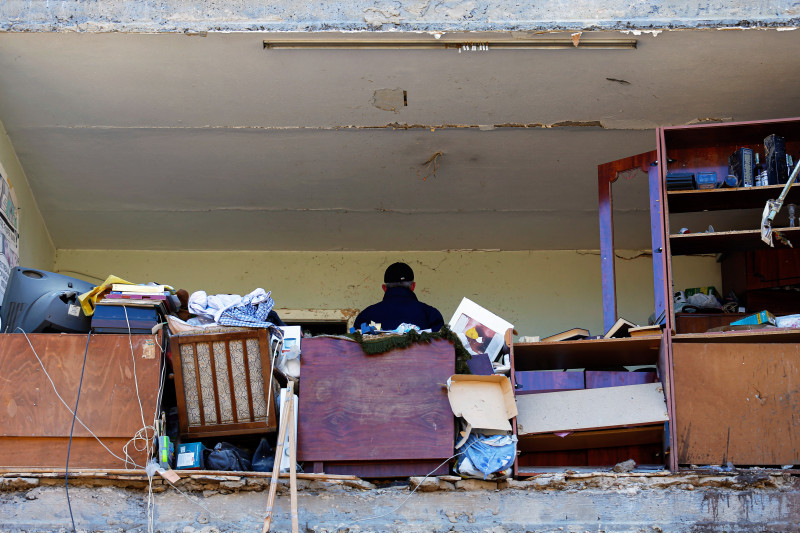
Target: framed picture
<point>480,331</point>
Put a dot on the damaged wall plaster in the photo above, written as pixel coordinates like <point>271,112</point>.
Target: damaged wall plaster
<point>389,99</point>
<point>499,281</point>
<point>371,15</point>
<point>743,501</point>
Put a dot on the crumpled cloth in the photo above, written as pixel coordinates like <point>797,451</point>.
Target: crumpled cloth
<point>487,454</point>
<point>249,311</point>
<point>211,307</point>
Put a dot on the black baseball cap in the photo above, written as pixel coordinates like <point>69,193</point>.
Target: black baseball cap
<point>398,272</point>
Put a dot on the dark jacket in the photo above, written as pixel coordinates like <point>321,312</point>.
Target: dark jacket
<point>400,305</point>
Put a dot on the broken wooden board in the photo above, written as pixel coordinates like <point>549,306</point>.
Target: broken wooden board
<point>629,405</point>
<point>737,402</point>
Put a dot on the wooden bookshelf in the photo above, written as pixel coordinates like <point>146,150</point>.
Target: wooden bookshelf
<point>585,353</point>
<point>734,198</point>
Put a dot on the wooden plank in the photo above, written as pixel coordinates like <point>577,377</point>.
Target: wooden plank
<point>591,458</point>
<point>539,381</point>
<point>733,198</point>
<point>644,454</point>
<point>729,134</point>
<point>766,335</point>
<point>388,469</point>
<point>629,405</point>
<point>245,358</point>
<point>109,403</point>
<point>198,382</point>
<point>231,386</point>
<point>726,241</point>
<point>51,452</point>
<point>598,379</point>
<point>286,420</point>
<point>737,402</point>
<point>602,438</point>
<point>702,322</point>
<point>359,407</point>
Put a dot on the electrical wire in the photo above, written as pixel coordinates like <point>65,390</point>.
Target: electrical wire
<point>71,431</point>
<point>127,459</point>
<point>148,440</point>
<point>151,504</point>
<point>133,358</point>
<point>77,418</point>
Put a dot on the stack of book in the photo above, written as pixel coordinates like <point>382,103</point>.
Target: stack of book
<point>131,309</point>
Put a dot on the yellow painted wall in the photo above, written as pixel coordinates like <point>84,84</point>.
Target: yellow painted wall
<point>36,248</point>
<point>541,292</point>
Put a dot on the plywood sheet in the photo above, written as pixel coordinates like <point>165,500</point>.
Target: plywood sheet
<point>31,413</point>
<point>629,405</point>
<point>359,407</point>
<point>737,402</point>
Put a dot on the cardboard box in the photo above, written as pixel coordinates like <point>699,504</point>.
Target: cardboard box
<point>484,402</point>
<point>764,317</point>
<point>479,330</point>
<point>190,456</point>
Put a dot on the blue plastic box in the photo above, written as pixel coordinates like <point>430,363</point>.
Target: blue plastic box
<point>190,456</point>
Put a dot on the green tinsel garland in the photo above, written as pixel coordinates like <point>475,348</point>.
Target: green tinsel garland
<point>382,344</point>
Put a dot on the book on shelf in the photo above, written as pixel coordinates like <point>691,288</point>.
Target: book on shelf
<point>568,335</point>
<point>643,331</point>
<point>132,302</point>
<point>135,296</point>
<point>621,328</point>
<point>138,289</point>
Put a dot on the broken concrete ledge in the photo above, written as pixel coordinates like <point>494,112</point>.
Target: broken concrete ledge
<point>740,501</point>
<point>369,15</point>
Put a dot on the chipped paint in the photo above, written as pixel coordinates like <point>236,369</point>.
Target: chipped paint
<point>389,99</point>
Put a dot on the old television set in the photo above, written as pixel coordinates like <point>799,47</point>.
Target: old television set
<point>37,301</point>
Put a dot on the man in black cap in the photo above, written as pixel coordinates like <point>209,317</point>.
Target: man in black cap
<point>400,304</point>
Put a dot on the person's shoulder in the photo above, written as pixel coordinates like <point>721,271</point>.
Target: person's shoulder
<point>431,309</point>
<point>367,311</point>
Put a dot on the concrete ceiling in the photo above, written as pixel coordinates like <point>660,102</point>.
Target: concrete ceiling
<point>210,142</point>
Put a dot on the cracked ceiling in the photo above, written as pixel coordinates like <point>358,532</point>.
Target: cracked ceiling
<point>213,143</point>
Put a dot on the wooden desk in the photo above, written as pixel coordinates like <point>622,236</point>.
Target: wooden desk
<point>383,415</point>
<point>35,425</point>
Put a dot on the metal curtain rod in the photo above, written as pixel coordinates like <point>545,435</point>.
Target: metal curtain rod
<point>517,44</point>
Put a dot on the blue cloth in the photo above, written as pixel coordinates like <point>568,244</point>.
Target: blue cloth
<point>488,454</point>
<point>401,305</point>
<point>252,312</point>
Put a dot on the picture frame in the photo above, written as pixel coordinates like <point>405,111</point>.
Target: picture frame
<point>480,330</point>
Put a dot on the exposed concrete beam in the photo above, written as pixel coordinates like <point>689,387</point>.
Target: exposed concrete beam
<point>750,500</point>
<point>365,15</point>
